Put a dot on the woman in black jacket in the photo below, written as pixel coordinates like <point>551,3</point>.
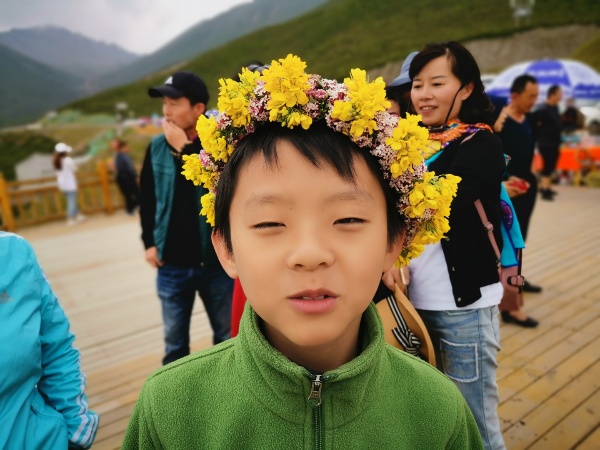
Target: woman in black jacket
<point>455,284</point>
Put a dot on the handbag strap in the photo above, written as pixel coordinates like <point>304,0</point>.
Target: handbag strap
<point>489,226</point>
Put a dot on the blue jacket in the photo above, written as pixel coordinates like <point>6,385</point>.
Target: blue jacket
<point>42,399</point>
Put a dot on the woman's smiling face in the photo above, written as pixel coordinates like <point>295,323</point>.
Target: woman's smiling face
<point>437,94</point>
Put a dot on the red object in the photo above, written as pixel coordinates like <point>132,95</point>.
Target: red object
<point>518,183</point>
<point>237,307</point>
<point>570,158</point>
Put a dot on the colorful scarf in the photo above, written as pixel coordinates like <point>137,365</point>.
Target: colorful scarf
<point>510,229</point>
<point>440,140</point>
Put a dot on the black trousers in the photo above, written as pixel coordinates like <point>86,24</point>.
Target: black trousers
<point>130,191</point>
<point>524,203</point>
<point>550,157</point>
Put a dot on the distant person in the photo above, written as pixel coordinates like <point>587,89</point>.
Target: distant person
<point>398,90</point>
<point>572,118</point>
<point>42,388</point>
<point>177,239</point>
<point>126,175</point>
<point>67,181</point>
<point>516,131</point>
<point>548,127</point>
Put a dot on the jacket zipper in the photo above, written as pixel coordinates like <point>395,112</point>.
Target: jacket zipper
<point>315,400</point>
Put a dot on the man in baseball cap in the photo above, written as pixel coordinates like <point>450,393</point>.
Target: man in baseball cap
<point>177,239</point>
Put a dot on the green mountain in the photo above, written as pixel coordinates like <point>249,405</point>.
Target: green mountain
<point>343,34</point>
<point>67,51</point>
<point>209,34</point>
<point>28,88</point>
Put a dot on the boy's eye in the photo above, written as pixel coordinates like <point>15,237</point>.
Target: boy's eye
<point>266,225</point>
<point>350,221</point>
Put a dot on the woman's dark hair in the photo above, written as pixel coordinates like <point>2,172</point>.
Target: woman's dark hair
<point>320,145</point>
<point>57,160</point>
<point>477,107</point>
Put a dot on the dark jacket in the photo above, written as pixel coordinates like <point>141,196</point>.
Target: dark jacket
<point>181,235</point>
<point>548,126</point>
<point>469,255</point>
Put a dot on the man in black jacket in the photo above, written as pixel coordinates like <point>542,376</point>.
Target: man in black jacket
<point>548,133</point>
<point>177,239</point>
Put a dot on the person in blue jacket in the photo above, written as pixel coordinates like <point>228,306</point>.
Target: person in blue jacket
<point>42,400</point>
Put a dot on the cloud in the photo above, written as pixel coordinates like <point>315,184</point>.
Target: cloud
<point>136,25</point>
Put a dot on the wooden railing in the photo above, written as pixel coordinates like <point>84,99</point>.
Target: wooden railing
<point>30,202</point>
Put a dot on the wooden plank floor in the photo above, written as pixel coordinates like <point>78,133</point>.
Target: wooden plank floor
<point>549,378</point>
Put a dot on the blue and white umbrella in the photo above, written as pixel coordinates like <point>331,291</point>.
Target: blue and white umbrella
<point>577,80</point>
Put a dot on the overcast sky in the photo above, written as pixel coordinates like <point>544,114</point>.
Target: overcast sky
<point>140,26</point>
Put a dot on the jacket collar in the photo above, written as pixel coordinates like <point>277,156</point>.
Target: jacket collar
<point>284,387</point>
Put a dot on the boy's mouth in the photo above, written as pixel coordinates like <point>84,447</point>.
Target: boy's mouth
<point>316,294</point>
<point>317,301</point>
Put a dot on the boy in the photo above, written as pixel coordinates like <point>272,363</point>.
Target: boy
<point>308,220</point>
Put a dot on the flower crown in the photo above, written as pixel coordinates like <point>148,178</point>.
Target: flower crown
<point>284,93</point>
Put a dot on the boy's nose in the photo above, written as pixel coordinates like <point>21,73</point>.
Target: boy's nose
<point>310,251</point>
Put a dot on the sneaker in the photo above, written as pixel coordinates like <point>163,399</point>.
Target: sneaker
<point>80,218</point>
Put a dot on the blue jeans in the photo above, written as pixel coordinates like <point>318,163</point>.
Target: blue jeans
<point>177,289</point>
<point>466,344</point>
<point>72,209</point>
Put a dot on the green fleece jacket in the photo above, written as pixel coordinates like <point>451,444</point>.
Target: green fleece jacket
<point>243,393</point>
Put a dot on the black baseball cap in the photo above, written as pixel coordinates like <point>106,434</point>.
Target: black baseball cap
<point>182,84</point>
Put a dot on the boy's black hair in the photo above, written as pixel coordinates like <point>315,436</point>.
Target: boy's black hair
<point>477,107</point>
<point>519,83</point>
<point>320,145</point>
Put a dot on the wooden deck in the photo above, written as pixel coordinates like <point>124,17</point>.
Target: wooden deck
<point>549,377</point>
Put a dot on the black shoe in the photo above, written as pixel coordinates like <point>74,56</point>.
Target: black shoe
<point>531,288</point>
<point>547,194</point>
<point>527,323</point>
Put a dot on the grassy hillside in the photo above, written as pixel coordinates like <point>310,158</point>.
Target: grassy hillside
<point>209,34</point>
<point>352,33</point>
<point>46,88</point>
<point>590,53</point>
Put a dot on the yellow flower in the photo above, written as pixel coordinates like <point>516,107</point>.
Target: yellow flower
<point>208,207</point>
<point>408,253</point>
<point>365,100</point>
<point>296,118</point>
<point>432,193</point>
<point>287,83</point>
<point>195,171</point>
<point>212,140</point>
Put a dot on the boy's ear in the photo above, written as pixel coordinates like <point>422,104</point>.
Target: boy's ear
<point>393,251</point>
<point>225,257</point>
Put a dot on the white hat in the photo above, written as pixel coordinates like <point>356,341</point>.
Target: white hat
<point>61,147</point>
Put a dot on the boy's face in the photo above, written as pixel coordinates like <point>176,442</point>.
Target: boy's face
<point>308,247</point>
